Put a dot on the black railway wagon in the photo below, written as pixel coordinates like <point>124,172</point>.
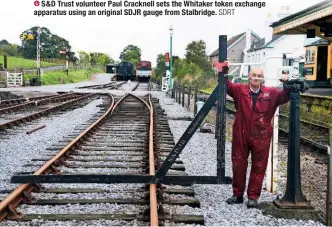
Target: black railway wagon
<point>125,71</point>
<point>112,68</point>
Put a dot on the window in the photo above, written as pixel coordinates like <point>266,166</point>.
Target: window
<point>287,62</point>
<point>309,71</point>
<point>310,56</point>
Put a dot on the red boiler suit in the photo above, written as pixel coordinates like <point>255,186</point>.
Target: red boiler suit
<point>252,131</point>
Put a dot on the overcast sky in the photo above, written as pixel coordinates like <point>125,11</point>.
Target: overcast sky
<point>111,34</point>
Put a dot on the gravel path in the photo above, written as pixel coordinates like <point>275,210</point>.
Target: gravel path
<point>199,158</point>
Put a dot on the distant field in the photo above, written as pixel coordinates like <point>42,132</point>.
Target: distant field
<point>13,62</point>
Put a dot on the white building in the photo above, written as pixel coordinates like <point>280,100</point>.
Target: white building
<point>273,52</point>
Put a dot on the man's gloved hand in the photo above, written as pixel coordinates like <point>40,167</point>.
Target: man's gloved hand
<point>284,78</point>
<point>222,67</point>
<point>225,69</point>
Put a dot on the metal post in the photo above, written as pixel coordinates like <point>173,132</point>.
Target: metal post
<point>38,56</point>
<point>179,100</point>
<point>195,100</point>
<point>67,63</point>
<point>293,197</point>
<point>329,184</point>
<point>183,94</point>
<point>5,62</point>
<point>171,59</point>
<point>175,92</point>
<point>189,96</point>
<point>221,178</point>
<point>217,112</point>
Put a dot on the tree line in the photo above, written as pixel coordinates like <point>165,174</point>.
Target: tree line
<point>51,45</point>
<point>194,68</point>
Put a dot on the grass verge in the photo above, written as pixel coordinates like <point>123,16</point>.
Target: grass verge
<point>14,62</point>
<point>61,77</point>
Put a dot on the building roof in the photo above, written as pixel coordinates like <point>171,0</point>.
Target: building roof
<point>229,43</point>
<point>303,13</point>
<point>320,42</point>
<point>260,44</point>
<point>317,17</point>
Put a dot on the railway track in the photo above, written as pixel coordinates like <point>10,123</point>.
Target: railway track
<point>11,102</point>
<point>131,137</point>
<point>108,86</point>
<point>28,111</point>
<point>142,86</point>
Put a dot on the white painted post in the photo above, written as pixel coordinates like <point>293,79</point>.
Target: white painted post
<point>271,171</point>
<point>329,182</point>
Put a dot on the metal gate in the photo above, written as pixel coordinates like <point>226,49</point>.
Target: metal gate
<point>3,78</point>
<point>14,79</point>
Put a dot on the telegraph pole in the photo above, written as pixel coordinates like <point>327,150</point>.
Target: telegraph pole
<point>38,55</point>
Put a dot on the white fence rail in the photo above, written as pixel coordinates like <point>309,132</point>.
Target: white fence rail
<point>14,79</point>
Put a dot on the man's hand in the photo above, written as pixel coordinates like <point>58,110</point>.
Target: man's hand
<point>284,78</point>
<point>222,67</point>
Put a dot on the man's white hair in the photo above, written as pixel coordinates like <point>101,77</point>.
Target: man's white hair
<point>256,67</point>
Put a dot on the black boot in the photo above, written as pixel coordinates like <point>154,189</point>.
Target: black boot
<point>252,203</point>
<point>235,200</point>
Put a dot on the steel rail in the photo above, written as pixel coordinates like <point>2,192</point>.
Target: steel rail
<point>134,89</point>
<point>153,187</point>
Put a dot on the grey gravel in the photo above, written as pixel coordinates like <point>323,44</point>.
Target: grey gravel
<point>113,187</point>
<point>97,170</point>
<point>172,108</point>
<point>40,222</point>
<point>81,209</point>
<point>21,148</point>
<point>136,158</point>
<point>128,195</point>
<point>184,210</point>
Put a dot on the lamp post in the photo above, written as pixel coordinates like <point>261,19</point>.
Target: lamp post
<point>170,64</point>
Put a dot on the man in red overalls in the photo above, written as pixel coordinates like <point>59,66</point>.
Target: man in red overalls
<point>252,130</point>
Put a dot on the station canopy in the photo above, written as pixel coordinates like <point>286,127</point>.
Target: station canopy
<point>313,21</point>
